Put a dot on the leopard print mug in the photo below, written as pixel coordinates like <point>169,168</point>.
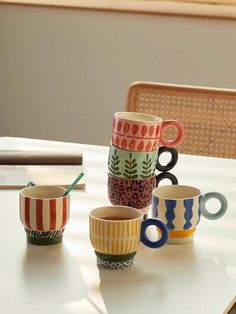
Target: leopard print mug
<point>136,193</point>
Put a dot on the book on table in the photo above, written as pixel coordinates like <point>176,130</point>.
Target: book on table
<point>19,167</point>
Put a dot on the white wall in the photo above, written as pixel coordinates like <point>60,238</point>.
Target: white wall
<point>64,72</point>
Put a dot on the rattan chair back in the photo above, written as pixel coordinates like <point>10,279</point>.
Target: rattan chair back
<point>208,115</point>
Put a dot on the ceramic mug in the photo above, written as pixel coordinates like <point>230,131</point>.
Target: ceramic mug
<point>142,132</point>
<point>135,165</point>
<point>44,212</point>
<point>115,234</point>
<point>135,193</point>
<point>180,207</point>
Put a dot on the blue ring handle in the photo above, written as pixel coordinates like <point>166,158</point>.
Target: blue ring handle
<point>220,197</point>
<point>161,226</point>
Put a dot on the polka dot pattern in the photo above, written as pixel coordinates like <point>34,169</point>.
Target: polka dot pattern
<point>114,265</point>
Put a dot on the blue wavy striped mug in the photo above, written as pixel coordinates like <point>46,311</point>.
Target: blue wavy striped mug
<point>180,208</point>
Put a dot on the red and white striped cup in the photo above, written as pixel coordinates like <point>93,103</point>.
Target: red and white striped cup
<point>44,212</point>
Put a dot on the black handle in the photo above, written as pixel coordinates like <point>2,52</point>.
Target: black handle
<point>173,161</point>
<point>166,175</point>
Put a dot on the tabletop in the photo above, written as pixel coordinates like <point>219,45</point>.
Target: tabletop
<point>198,277</point>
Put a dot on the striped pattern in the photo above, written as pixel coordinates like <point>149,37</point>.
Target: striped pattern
<point>115,237</point>
<point>44,215</point>
<point>177,215</point>
<point>188,215</point>
<point>170,214</point>
<point>44,235</point>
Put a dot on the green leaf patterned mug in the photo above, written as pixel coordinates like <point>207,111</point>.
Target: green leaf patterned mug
<point>136,165</point>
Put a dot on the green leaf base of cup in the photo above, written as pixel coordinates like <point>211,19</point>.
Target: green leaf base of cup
<point>110,261</point>
<point>39,241</point>
<point>44,238</point>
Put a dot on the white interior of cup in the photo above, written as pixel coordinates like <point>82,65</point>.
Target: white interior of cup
<point>176,192</point>
<point>136,116</point>
<point>115,211</point>
<point>43,192</point>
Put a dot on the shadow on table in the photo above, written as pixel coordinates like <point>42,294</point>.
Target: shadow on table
<point>51,275</point>
<point>130,290</point>
<point>165,279</point>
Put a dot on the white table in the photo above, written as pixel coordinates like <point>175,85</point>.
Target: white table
<point>193,278</point>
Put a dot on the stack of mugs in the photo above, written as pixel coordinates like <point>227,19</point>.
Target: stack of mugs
<point>134,158</point>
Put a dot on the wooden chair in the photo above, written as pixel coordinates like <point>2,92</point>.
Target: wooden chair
<point>208,115</point>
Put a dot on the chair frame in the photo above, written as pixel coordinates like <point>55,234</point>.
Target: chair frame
<point>227,97</point>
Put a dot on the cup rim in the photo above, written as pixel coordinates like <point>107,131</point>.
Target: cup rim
<point>119,207</point>
<point>129,179</point>
<point>139,153</point>
<point>22,192</point>
<point>137,117</point>
<point>160,190</point>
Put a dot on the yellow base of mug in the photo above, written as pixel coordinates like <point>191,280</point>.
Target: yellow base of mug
<point>180,236</point>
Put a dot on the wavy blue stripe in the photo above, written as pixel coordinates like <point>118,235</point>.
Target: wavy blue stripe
<point>170,214</point>
<point>188,215</point>
<point>199,208</point>
<point>155,203</point>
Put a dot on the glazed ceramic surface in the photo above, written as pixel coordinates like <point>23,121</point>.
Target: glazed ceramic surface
<point>115,237</point>
<point>131,165</point>
<point>141,132</point>
<point>134,144</point>
<point>116,240</point>
<point>180,207</point>
<point>136,193</point>
<point>44,211</point>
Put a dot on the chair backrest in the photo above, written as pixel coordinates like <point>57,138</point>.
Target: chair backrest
<point>208,115</point>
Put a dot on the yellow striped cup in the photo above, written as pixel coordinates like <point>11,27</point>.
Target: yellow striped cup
<point>115,234</point>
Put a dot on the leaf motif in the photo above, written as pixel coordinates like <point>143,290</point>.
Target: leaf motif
<point>130,166</point>
<point>114,162</point>
<point>126,175</point>
<point>135,129</point>
<point>146,166</point>
<point>134,177</point>
<point>134,165</point>
<point>129,176</point>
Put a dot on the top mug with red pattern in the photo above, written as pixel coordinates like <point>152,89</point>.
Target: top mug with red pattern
<point>142,132</point>
<point>44,212</point>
